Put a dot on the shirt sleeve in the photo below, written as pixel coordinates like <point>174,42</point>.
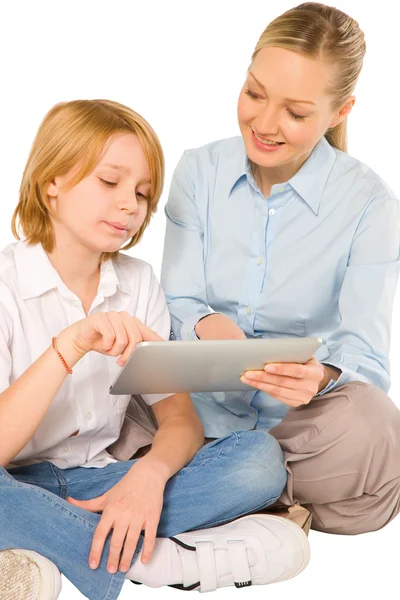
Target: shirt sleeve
<point>5,354</point>
<point>157,317</point>
<point>360,346</point>
<point>158,320</point>
<point>182,274</point>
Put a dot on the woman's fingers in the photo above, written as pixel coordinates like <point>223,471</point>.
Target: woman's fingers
<point>286,383</point>
<point>257,377</point>
<point>311,370</point>
<point>282,393</point>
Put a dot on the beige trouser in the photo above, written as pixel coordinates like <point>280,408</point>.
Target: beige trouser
<point>342,455</point>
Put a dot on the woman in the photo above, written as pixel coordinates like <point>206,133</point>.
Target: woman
<point>280,233</point>
<point>69,302</point>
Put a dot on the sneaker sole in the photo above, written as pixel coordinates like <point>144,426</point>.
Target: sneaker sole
<point>38,578</point>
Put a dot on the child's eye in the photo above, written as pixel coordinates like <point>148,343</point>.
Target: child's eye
<point>108,183</point>
<point>142,196</point>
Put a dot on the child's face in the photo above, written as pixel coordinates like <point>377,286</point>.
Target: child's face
<point>107,207</point>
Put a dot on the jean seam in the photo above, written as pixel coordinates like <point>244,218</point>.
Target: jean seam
<point>223,450</point>
<point>61,480</point>
<point>49,497</point>
<point>102,476</point>
<point>110,590</point>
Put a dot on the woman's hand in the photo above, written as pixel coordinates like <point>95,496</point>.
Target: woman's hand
<point>290,383</point>
<point>218,327</point>
<point>132,505</point>
<point>110,333</point>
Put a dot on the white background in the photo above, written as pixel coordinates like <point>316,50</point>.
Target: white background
<point>181,64</point>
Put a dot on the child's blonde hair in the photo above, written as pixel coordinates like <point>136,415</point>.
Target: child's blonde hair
<point>74,133</point>
<point>324,33</point>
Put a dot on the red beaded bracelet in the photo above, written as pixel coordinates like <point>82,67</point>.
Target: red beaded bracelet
<point>53,341</point>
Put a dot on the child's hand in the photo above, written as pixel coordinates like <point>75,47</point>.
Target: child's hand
<point>132,505</point>
<point>110,333</point>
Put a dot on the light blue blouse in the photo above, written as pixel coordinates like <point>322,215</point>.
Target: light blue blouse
<point>319,257</point>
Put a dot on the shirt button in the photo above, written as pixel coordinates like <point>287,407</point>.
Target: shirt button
<point>259,260</point>
<point>271,212</point>
<point>65,447</point>
<point>248,310</point>
<point>89,416</point>
<point>281,189</point>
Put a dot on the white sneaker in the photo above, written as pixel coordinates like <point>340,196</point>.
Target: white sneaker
<point>27,575</point>
<point>252,550</point>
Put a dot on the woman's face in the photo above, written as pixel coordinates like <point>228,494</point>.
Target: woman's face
<point>106,208</point>
<point>284,108</point>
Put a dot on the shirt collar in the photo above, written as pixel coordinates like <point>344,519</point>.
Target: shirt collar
<point>310,180</point>
<point>239,170</point>
<point>36,275</point>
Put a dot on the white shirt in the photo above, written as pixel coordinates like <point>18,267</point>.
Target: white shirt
<point>36,305</point>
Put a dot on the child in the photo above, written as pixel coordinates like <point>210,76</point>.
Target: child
<point>69,302</point>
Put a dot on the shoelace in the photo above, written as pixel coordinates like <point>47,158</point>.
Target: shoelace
<point>238,562</point>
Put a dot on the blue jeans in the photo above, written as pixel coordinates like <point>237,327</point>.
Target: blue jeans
<point>229,477</point>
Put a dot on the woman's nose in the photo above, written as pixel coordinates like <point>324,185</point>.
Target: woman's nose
<point>267,123</point>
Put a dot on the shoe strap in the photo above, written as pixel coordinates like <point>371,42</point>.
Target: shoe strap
<point>239,562</point>
<point>206,565</point>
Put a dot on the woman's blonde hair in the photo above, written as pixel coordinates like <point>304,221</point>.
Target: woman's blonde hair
<point>328,34</point>
<point>74,133</point>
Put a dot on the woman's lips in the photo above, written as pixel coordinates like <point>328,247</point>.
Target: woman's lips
<point>265,147</point>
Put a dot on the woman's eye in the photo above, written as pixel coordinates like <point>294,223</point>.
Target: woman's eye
<point>108,183</point>
<point>252,95</point>
<point>295,116</point>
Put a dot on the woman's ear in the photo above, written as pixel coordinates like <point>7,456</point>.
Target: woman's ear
<point>52,189</point>
<point>343,112</point>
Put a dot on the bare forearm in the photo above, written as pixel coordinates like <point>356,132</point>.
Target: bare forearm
<point>24,404</point>
<point>175,443</point>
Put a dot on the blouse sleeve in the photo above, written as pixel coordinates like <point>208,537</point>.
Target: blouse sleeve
<point>182,276</point>
<point>360,346</point>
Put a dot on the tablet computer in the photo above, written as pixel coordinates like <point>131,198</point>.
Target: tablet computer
<point>204,365</point>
